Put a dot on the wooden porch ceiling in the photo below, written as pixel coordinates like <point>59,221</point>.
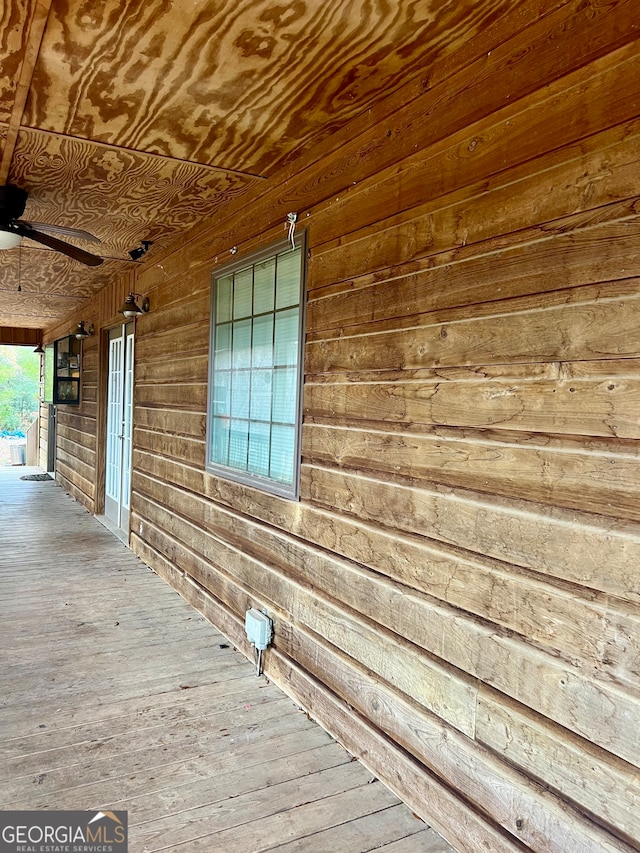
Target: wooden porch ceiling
<point>137,120</point>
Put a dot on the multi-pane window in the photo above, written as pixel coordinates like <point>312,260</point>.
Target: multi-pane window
<point>255,371</point>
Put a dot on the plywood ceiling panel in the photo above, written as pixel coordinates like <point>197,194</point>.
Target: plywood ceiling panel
<point>51,285</point>
<point>238,83</point>
<point>14,20</point>
<point>21,310</point>
<point>119,195</point>
<point>138,120</point>
<point>40,271</point>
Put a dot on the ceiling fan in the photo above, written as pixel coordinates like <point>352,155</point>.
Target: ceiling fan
<point>13,229</point>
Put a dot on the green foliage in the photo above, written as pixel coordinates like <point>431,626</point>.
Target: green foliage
<point>19,387</point>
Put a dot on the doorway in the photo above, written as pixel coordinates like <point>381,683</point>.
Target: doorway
<point>119,427</point>
<point>51,439</point>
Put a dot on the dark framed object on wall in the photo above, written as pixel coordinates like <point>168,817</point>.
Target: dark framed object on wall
<point>63,387</point>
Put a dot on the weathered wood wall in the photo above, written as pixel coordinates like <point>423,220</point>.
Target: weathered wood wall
<point>456,594</point>
<point>76,457</point>
<point>80,429</point>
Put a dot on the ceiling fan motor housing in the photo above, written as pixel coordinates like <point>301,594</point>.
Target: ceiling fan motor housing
<point>12,203</point>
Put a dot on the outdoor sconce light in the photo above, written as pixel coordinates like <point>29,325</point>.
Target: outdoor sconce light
<point>39,349</point>
<point>81,332</point>
<point>131,309</point>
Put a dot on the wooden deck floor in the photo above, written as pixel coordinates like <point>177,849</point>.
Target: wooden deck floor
<point>115,693</point>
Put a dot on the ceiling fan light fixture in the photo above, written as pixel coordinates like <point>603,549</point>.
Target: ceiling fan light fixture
<point>131,309</point>
<point>82,332</point>
<point>13,229</point>
<point>9,240</point>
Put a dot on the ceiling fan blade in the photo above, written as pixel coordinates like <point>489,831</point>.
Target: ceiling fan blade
<point>78,233</point>
<point>58,245</point>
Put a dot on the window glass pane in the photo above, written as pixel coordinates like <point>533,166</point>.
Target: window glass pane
<point>255,372</point>
<point>224,298</point>
<point>240,384</point>
<point>241,345</point>
<point>262,355</point>
<point>286,337</point>
<point>239,444</point>
<point>261,395</point>
<point>222,354</point>
<point>242,293</point>
<point>220,441</point>
<point>264,286</point>
<point>288,279</point>
<point>221,397</point>
<point>282,448</point>
<point>259,448</point>
<point>284,395</point>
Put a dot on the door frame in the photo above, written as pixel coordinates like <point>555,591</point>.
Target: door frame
<point>52,416</point>
<point>101,425</point>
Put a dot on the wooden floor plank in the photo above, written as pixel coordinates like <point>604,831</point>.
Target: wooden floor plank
<point>426,841</point>
<point>240,783</point>
<point>28,719</point>
<point>272,830</point>
<point>147,719</point>
<point>127,789</point>
<point>363,834</point>
<point>144,753</point>
<point>235,811</point>
<point>113,738</point>
<point>115,693</point>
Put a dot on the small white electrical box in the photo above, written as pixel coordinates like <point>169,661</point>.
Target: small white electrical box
<point>259,628</point>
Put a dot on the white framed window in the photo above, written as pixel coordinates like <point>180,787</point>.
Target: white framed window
<point>255,369</point>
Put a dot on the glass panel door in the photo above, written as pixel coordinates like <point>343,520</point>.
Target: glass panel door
<point>119,426</point>
<point>127,428</point>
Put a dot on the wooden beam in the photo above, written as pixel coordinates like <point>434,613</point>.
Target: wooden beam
<point>33,40</point>
<point>109,146</point>
<point>15,336</point>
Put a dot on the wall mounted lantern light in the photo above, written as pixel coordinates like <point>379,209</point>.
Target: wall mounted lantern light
<point>39,349</point>
<point>131,309</point>
<point>82,332</point>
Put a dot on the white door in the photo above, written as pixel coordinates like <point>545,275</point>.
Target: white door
<point>119,426</point>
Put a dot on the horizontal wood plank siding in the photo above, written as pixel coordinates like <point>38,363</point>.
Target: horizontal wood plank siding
<point>76,428</point>
<point>456,595</point>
